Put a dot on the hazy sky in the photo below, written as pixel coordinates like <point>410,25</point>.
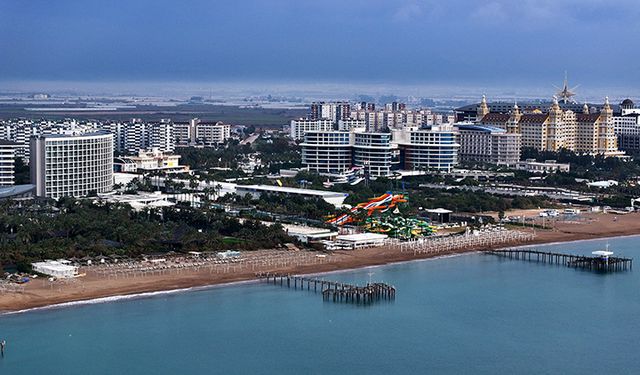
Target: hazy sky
<point>460,42</point>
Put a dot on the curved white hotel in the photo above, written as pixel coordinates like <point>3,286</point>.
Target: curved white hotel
<point>72,165</point>
<point>327,152</point>
<point>430,149</point>
<point>374,152</point>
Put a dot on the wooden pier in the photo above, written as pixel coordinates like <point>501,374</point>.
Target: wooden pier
<point>592,263</point>
<point>332,290</point>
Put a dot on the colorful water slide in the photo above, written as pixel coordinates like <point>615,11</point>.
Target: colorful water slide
<point>381,203</point>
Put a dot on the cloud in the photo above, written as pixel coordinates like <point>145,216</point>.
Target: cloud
<point>490,13</point>
<point>540,13</point>
<point>408,11</point>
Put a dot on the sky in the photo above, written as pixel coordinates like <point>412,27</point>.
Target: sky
<point>447,42</point>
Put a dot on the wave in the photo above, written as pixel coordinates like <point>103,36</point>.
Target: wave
<point>123,297</point>
<point>143,295</point>
<point>569,242</point>
<point>444,256</point>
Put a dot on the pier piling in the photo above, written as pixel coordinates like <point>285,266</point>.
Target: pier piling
<point>335,291</point>
<point>592,263</point>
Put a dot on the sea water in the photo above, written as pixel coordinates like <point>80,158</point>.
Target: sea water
<point>475,314</point>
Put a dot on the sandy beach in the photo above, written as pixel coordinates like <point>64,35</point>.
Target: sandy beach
<point>40,292</point>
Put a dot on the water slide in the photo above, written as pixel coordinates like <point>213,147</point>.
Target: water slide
<point>382,203</point>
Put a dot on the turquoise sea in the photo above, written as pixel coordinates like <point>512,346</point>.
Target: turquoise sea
<point>471,314</point>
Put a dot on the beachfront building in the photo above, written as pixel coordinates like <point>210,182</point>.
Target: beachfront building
<point>488,144</point>
<point>8,150</point>
<point>72,165</point>
<point>360,240</point>
<point>57,268</point>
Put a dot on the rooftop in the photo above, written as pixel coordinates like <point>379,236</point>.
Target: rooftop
<point>362,237</point>
<point>485,128</point>
<point>290,190</point>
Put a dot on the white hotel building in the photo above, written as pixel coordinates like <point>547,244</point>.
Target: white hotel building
<point>72,165</point>
<point>375,153</point>
<point>335,152</point>
<point>434,148</point>
<point>327,152</point>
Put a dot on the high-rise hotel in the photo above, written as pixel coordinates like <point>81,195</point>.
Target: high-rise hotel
<point>72,165</point>
<point>335,152</point>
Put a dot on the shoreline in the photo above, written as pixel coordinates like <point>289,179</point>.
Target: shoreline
<point>98,290</point>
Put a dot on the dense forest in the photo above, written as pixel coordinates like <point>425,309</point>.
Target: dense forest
<point>35,230</point>
<point>274,153</point>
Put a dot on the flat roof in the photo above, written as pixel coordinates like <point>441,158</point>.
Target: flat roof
<point>290,190</point>
<point>485,128</point>
<point>10,191</point>
<point>361,237</point>
<point>602,252</point>
<point>54,266</point>
<point>304,230</point>
<point>78,134</point>
<point>439,211</point>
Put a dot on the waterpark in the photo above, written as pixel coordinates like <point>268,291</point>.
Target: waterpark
<point>382,215</point>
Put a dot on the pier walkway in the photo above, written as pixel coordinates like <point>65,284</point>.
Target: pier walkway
<point>332,290</point>
<point>592,263</point>
<point>492,236</point>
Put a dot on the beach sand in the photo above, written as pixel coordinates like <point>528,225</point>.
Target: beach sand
<point>39,292</point>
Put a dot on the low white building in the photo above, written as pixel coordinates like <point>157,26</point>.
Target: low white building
<point>335,198</point>
<point>57,268</point>
<point>603,184</point>
<point>308,234</point>
<point>360,240</point>
<point>149,161</point>
<point>140,200</point>
<point>549,166</point>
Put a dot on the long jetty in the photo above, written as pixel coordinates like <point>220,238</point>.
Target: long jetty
<point>332,290</point>
<point>592,263</point>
